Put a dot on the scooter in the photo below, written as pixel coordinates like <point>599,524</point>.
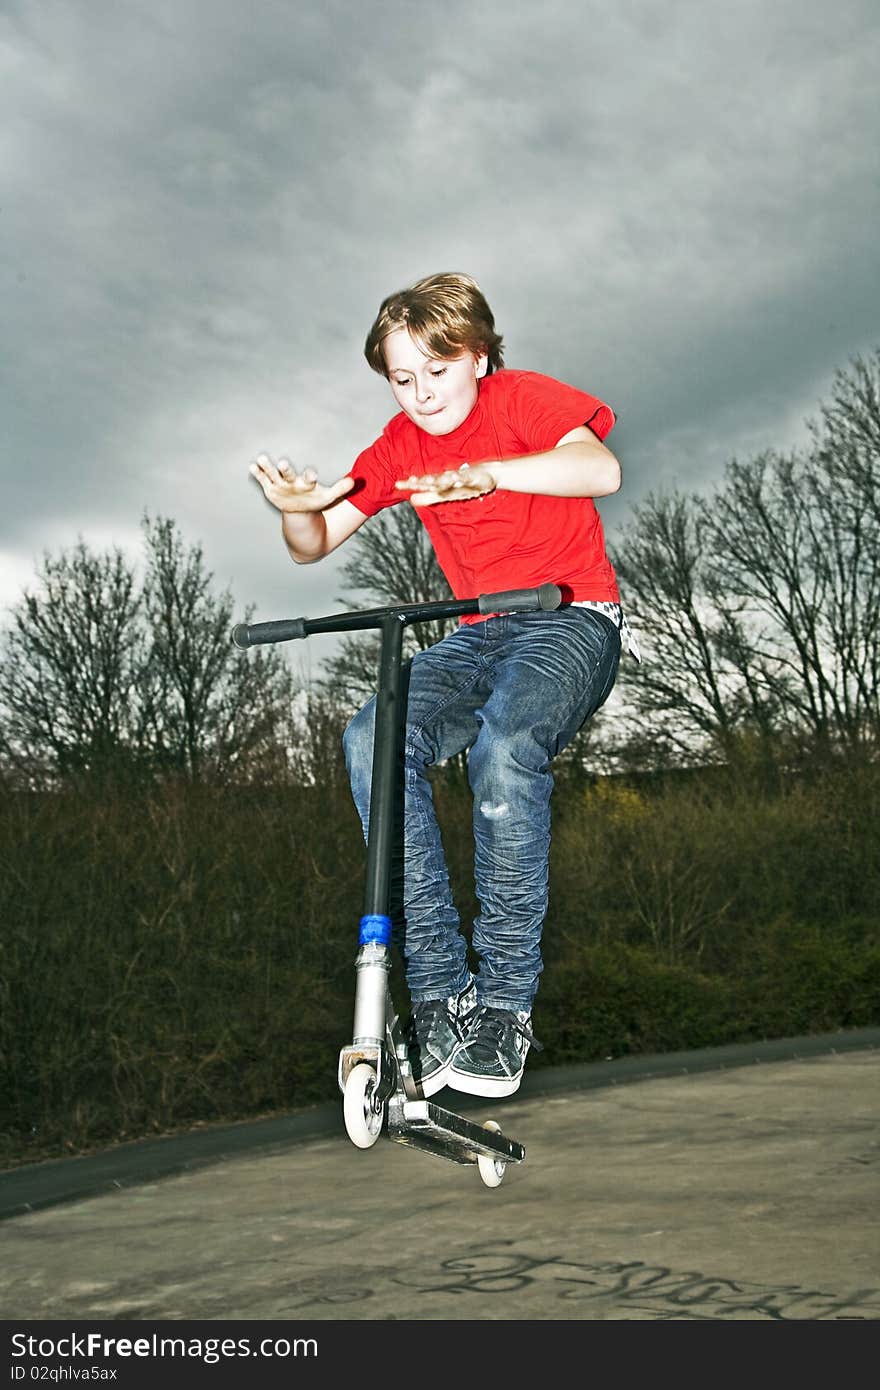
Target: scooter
<point>377,1087</point>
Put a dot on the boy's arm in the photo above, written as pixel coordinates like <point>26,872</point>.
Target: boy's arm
<point>314,519</point>
<point>579,465</point>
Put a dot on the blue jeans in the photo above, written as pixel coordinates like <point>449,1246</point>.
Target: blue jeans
<point>513,690</point>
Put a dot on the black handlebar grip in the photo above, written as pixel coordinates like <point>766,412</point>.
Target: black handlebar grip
<point>548,597</point>
<point>284,630</point>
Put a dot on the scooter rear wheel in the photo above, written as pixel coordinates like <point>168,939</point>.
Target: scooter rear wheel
<point>363,1123</point>
<point>492,1170</point>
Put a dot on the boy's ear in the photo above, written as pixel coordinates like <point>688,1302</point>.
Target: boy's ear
<point>481,362</point>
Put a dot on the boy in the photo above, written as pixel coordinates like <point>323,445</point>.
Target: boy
<point>502,466</point>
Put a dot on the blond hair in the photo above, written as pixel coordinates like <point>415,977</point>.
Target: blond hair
<point>446,315</point>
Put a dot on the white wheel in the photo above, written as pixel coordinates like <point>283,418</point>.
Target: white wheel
<point>363,1124</point>
<point>492,1170</point>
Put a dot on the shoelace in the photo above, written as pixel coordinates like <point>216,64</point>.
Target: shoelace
<point>494,1021</point>
<point>425,1011</point>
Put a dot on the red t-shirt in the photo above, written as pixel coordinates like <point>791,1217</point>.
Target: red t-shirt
<point>505,540</point>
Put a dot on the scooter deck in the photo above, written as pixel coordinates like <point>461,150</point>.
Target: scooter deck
<point>423,1125</point>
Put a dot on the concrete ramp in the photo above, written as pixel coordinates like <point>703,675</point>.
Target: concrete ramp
<point>742,1188</point>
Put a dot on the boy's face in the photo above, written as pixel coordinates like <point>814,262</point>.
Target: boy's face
<point>437,395</point>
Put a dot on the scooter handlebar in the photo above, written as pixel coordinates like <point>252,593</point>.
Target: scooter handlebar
<point>545,599</point>
<point>283,630</point>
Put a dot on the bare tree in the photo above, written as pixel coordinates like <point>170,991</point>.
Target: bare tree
<point>764,548</point>
<point>681,702</point>
<point>847,435</point>
<point>71,667</point>
<point>209,707</point>
<point>845,481</point>
<point>798,539</point>
<point>101,674</point>
<point>759,605</point>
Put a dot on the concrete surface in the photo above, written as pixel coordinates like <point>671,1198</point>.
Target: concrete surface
<point>720,1191</point>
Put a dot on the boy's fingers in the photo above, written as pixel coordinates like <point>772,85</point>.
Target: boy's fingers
<point>265,469</point>
<point>341,488</point>
<point>282,472</point>
<point>301,482</point>
<point>462,479</point>
<point>416,483</point>
<point>262,475</point>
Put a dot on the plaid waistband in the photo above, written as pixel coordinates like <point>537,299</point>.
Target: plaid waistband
<point>618,617</point>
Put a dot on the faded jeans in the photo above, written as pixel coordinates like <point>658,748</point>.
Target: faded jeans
<point>512,690</point>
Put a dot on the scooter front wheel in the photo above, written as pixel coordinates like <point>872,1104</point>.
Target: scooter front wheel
<point>363,1123</point>
<point>492,1170</point>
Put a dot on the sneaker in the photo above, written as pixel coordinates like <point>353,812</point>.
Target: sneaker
<point>434,1032</point>
<point>491,1061</point>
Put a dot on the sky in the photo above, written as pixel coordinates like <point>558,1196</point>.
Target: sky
<point>673,206</point>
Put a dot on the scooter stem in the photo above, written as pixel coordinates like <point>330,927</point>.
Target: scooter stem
<point>384,772</point>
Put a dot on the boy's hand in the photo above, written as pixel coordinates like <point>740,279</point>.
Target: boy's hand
<point>454,486</point>
<point>290,491</point>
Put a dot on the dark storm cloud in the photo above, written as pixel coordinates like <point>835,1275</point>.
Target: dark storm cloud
<point>674,206</point>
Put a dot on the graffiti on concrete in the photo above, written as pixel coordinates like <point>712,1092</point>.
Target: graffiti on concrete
<point>665,1293</point>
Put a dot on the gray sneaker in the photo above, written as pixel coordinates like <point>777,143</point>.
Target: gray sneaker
<point>434,1031</point>
<point>491,1061</point>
